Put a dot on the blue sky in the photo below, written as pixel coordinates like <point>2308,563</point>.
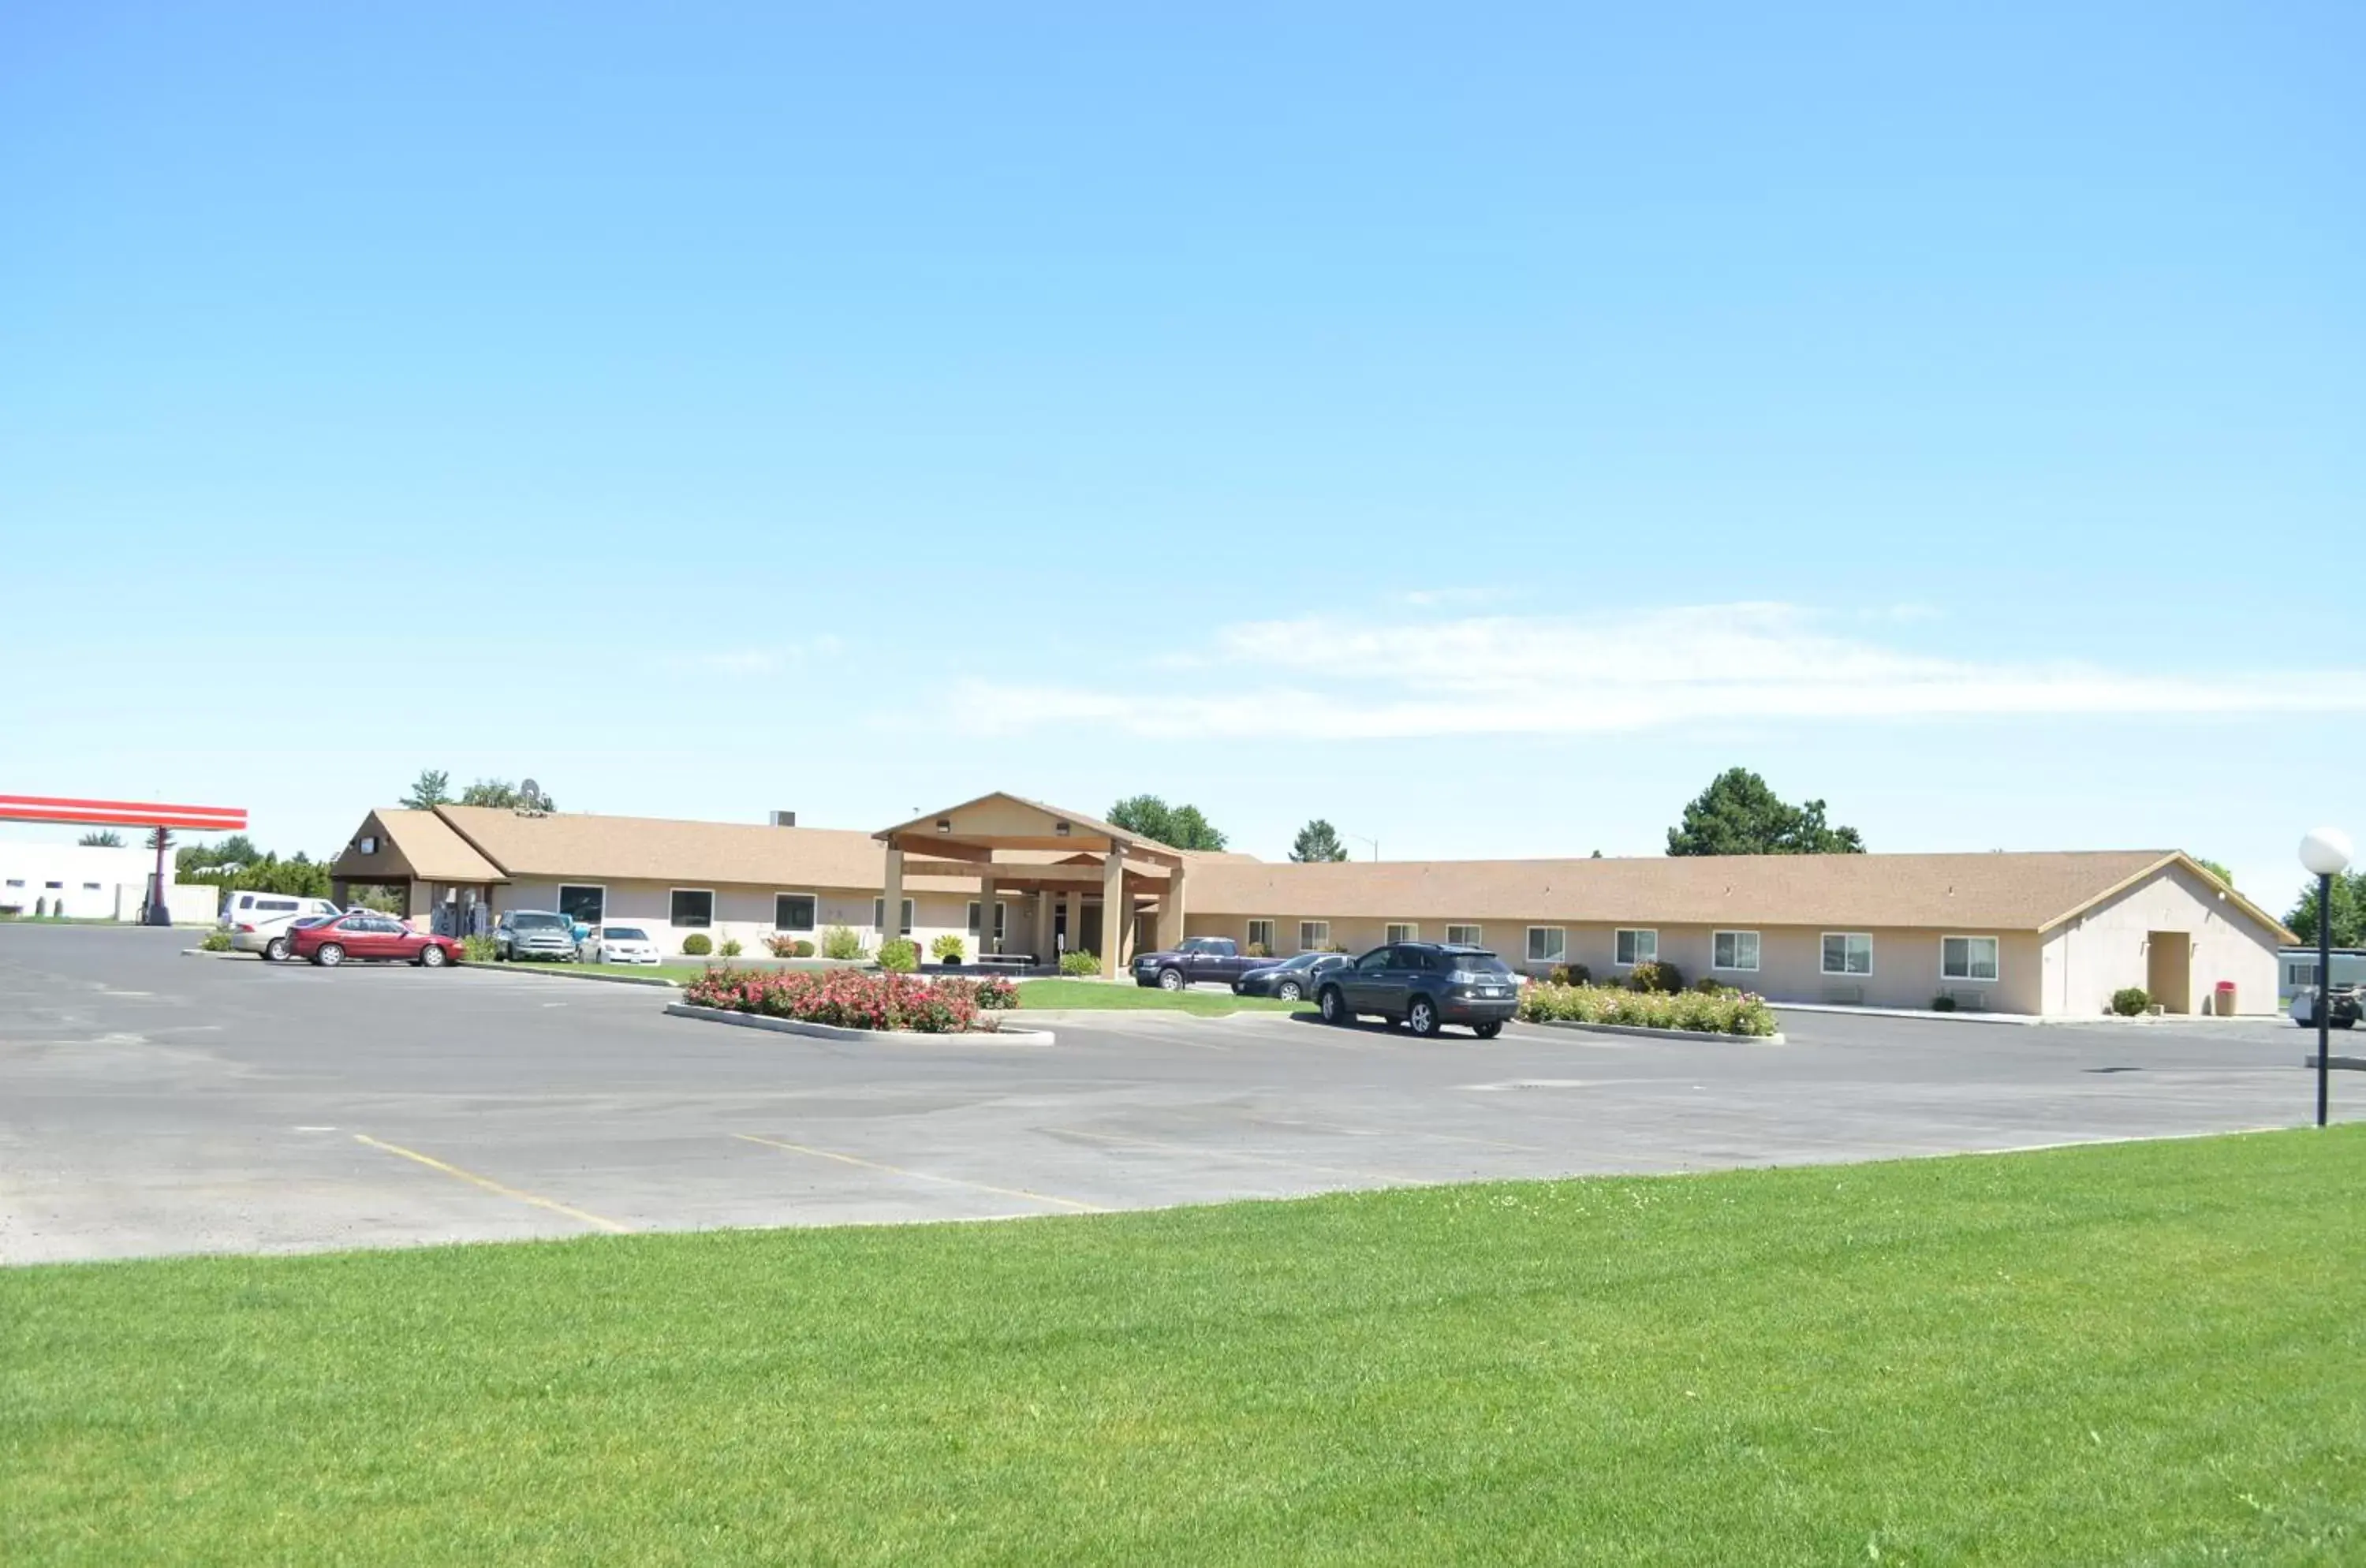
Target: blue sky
<point>1476,427</point>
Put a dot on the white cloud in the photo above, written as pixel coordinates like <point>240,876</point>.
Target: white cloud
<point>774,661</point>
<point>1328,677</point>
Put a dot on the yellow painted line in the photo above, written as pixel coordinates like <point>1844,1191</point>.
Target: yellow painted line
<point>489,1185</point>
<point>922,1174</point>
<point>1207,1152</point>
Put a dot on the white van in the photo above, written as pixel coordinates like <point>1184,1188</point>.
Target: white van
<point>258,923</point>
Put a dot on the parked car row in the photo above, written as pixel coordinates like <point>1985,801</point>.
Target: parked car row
<point>1421,985</point>
<point>2342,1010</point>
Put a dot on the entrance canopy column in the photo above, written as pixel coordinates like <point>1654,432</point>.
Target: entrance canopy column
<point>986,942</point>
<point>1117,921</point>
<point>891,908</point>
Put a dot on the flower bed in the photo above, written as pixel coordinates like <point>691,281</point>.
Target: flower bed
<point>851,998</point>
<point>1726,1012</point>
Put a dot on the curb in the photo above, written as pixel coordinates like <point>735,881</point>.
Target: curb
<point>1650,1034</point>
<point>561,972</point>
<point>839,1032</point>
<point>2337,1064</point>
<point>1119,1015</point>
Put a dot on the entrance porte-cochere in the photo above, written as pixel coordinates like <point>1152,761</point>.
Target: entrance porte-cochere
<point>1070,870</point>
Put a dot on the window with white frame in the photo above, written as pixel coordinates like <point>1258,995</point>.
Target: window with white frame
<point>1734,950</point>
<point>1314,936</point>
<point>584,904</point>
<point>1398,931</point>
<point>879,916</point>
<point>2294,974</point>
<point>1634,947</point>
<point>1548,945</point>
<point>1001,917</point>
<point>1261,934</point>
<point>794,911</point>
<point>1966,957</point>
<point>1463,936</point>
<point>692,907</point>
<point>1848,953</point>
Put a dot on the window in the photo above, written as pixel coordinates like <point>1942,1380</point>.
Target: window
<point>2294,974</point>
<point>1402,934</point>
<point>1848,953</point>
<point>1463,936</point>
<point>15,882</point>
<point>1374,961</point>
<point>693,906</point>
<point>587,906</point>
<point>53,885</point>
<point>1733,949</point>
<point>1548,945</point>
<point>1312,934</point>
<point>879,916</point>
<point>1637,947</point>
<point>1964,957</point>
<point>272,906</point>
<point>792,912</point>
<point>93,887</point>
<point>1001,917</point>
<point>1261,934</point>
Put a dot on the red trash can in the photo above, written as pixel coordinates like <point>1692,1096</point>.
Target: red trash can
<point>2226,999</point>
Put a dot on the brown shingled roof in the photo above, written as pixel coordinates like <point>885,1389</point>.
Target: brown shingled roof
<point>1981,892</point>
<point>414,844</point>
<point>659,849</point>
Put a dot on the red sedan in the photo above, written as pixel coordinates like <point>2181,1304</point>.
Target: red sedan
<point>366,935</point>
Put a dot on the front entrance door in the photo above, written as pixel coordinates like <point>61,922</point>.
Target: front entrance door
<point>2168,970</point>
<point>1090,939</point>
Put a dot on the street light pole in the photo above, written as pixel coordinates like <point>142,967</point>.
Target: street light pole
<point>2325,852</point>
<point>2324,989</point>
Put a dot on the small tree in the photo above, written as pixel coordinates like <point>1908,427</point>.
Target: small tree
<point>1317,841</point>
<point>1178,827</point>
<point>839,941</point>
<point>2347,908</point>
<point>105,839</point>
<point>430,789</point>
<point>947,949</point>
<point>1739,815</point>
<point>899,956</point>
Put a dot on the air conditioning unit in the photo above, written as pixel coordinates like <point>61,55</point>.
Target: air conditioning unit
<point>1968,1000</point>
<point>785,818</point>
<point>1844,996</point>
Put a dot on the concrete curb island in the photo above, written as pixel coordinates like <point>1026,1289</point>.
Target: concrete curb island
<point>835,1032</point>
<point>1646,1031</point>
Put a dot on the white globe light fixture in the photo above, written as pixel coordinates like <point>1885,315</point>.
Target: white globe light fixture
<point>2325,852</point>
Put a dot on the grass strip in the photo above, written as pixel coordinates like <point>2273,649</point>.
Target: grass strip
<point>2145,1352</point>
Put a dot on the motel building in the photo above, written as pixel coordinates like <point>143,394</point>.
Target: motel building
<point>2050,934</point>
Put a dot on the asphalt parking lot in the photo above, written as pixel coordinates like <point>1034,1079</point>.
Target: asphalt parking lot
<point>151,1103</point>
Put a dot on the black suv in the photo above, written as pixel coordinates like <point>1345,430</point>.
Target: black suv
<point>1423,985</point>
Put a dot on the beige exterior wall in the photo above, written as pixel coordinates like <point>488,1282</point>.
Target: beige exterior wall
<point>2088,958</point>
<point>1790,967</point>
<point>745,914</point>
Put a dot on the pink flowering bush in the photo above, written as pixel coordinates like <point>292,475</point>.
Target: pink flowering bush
<point>854,998</point>
<point>1723,1012</point>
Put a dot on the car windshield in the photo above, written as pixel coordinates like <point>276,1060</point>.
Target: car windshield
<point>1305,961</point>
<point>533,922</point>
<point>624,933</point>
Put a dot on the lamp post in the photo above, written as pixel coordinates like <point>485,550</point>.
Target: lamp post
<point>2325,852</point>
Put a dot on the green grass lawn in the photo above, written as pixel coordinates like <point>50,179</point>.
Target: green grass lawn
<point>675,972</point>
<point>1126,994</point>
<point>2150,1352</point>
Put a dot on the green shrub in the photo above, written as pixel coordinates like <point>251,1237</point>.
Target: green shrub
<point>1077,961</point>
<point>214,942</point>
<point>1257,950</point>
<point>1710,985</point>
<point>1942,1002</point>
<point>730,948</point>
<point>2129,1001</point>
<point>1727,1012</point>
<point>899,956</point>
<point>780,944</point>
<point>948,949</point>
<point>1570,975</point>
<point>838,941</point>
<point>1654,975</point>
<point>801,949</point>
<point>480,949</point>
<point>697,945</point>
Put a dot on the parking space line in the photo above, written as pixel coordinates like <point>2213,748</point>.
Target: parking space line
<point>1081,1208</point>
<point>1207,1151</point>
<point>1381,1132</point>
<point>489,1185</point>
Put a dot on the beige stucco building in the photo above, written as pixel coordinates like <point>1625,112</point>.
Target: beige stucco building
<point>2045,933</point>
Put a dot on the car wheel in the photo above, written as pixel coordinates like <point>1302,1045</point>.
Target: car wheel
<point>2343,1022</point>
<point>1170,979</point>
<point>329,955</point>
<point>432,957</point>
<point>1335,1006</point>
<point>1488,1031</point>
<point>1422,1017</point>
<point>1287,991</point>
<point>275,949</point>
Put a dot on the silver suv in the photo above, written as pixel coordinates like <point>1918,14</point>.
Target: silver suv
<point>533,933</point>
